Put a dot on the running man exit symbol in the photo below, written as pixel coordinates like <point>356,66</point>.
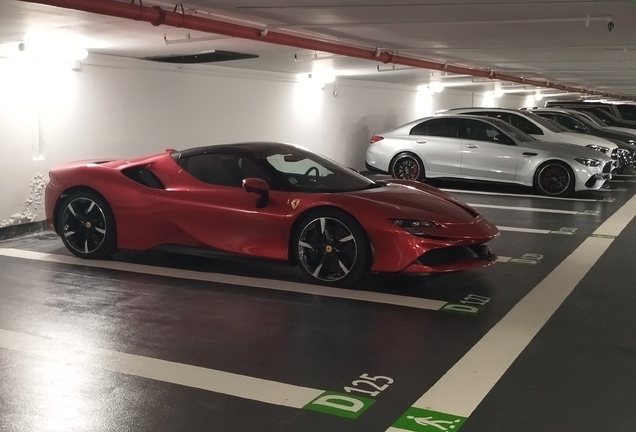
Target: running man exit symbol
<point>421,420</point>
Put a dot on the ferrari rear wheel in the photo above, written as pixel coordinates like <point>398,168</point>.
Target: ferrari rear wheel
<point>87,225</point>
<point>554,179</point>
<point>407,166</point>
<point>331,247</point>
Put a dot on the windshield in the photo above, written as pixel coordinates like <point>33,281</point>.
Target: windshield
<point>597,121</point>
<point>627,111</point>
<point>513,132</point>
<point>306,171</point>
<point>544,122</point>
<point>557,125</point>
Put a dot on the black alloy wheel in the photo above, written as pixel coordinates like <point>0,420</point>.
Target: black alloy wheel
<point>331,247</point>
<point>87,225</point>
<point>554,179</point>
<point>407,166</point>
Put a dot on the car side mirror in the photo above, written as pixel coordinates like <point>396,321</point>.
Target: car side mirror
<point>580,128</point>
<point>259,187</point>
<point>504,139</point>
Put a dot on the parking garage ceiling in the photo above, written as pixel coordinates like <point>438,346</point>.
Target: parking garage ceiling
<point>589,44</point>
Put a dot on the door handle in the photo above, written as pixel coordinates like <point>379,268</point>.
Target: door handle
<point>421,141</point>
<point>529,154</point>
<point>472,146</point>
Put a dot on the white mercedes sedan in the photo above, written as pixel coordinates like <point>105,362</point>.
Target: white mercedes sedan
<point>484,148</point>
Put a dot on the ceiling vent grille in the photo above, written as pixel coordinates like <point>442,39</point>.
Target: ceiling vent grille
<point>206,57</point>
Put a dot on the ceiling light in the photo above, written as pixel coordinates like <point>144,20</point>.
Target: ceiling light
<point>498,92</point>
<point>436,87</point>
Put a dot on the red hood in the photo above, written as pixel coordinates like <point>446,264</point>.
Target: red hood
<point>415,201</point>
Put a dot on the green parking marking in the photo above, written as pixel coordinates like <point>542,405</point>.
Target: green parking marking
<point>420,420</point>
<point>565,231</point>
<point>340,404</point>
<point>472,304</point>
<point>605,236</point>
<point>523,261</point>
<point>462,308</point>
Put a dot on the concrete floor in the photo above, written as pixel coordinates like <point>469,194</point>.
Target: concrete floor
<point>161,342</point>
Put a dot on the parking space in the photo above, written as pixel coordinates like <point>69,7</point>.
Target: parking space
<point>155,341</point>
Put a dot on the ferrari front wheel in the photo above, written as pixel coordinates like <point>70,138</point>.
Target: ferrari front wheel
<point>87,225</point>
<point>331,247</point>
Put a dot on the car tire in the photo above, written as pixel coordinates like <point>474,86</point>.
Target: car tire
<point>330,247</point>
<point>554,178</point>
<point>407,166</point>
<point>86,224</point>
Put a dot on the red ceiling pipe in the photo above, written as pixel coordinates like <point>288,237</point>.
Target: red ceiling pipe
<point>155,15</point>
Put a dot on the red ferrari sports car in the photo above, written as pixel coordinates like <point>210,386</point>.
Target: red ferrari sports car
<point>266,200</point>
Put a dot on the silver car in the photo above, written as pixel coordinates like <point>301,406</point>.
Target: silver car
<point>484,148</point>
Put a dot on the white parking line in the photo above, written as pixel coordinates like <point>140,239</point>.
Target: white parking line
<point>242,386</point>
<point>277,285</point>
<point>523,195</point>
<point>524,230</point>
<point>612,190</point>
<point>533,209</point>
<point>467,383</point>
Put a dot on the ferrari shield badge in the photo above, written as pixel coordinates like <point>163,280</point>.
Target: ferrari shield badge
<point>295,203</point>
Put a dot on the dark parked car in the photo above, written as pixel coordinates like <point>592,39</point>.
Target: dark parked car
<point>610,114</point>
<point>576,121</point>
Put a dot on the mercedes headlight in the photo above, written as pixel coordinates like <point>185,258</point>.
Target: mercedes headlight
<point>598,148</point>
<point>588,161</point>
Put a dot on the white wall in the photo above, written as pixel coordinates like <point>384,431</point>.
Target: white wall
<point>117,107</point>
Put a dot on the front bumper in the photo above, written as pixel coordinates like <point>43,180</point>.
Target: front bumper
<point>454,247</point>
<point>454,258</point>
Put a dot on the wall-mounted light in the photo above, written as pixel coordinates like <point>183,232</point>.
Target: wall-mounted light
<point>538,96</point>
<point>317,78</point>
<point>43,49</point>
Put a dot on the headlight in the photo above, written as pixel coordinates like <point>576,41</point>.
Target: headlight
<point>588,161</point>
<point>414,226</point>
<point>598,148</point>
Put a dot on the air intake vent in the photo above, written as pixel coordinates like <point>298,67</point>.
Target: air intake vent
<point>143,176</point>
<point>208,57</point>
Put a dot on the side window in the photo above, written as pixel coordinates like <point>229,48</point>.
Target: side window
<point>440,127</point>
<point>251,170</point>
<point>222,169</point>
<point>525,125</point>
<point>481,131</point>
<point>602,115</point>
<point>420,129</point>
<point>569,122</point>
<point>498,115</point>
<point>548,116</point>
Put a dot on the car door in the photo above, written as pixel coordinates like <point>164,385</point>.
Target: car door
<point>487,152</point>
<point>209,205</point>
<point>438,144</point>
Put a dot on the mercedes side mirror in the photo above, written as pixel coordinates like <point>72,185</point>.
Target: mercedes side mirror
<point>581,128</point>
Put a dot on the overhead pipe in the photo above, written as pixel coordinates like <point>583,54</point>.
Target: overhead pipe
<point>156,16</point>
